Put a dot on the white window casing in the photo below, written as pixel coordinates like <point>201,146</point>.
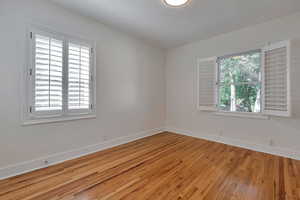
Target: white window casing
<point>59,78</point>
<point>207,84</point>
<point>276,79</point>
<point>276,92</point>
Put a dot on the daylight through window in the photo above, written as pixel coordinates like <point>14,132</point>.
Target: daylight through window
<point>239,82</point>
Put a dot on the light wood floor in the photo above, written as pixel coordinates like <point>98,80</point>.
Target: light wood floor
<point>161,167</point>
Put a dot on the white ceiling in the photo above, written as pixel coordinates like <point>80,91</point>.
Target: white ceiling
<point>169,27</point>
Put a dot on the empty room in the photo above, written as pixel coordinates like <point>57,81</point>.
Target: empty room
<point>150,100</point>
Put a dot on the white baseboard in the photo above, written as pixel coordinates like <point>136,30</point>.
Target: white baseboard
<point>28,166</point>
<point>284,152</point>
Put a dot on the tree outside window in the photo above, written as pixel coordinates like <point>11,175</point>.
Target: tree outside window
<point>240,82</point>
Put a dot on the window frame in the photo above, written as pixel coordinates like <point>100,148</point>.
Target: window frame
<point>218,84</point>
<point>29,115</point>
<point>264,112</point>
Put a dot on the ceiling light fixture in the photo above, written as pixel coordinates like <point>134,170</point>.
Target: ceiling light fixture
<point>176,3</point>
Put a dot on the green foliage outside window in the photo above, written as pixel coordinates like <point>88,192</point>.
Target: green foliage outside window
<point>239,83</point>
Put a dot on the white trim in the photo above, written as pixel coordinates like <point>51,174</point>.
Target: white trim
<point>216,88</point>
<point>58,119</point>
<point>206,108</point>
<point>262,81</point>
<point>289,99</point>
<point>207,59</point>
<point>28,166</point>
<point>277,113</point>
<point>28,84</point>
<point>284,152</point>
<point>276,45</point>
<point>243,115</point>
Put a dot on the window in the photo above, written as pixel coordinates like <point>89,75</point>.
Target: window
<point>239,83</point>
<point>60,83</point>
<point>252,82</point>
<point>48,77</point>
<point>79,77</point>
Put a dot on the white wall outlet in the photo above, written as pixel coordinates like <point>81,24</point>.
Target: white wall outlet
<point>272,143</point>
<point>220,132</point>
<point>105,137</point>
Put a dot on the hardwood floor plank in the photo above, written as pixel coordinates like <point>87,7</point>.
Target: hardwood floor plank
<point>166,166</point>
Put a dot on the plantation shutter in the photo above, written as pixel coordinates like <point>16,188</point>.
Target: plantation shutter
<point>207,84</point>
<point>79,58</point>
<point>276,79</point>
<point>48,73</point>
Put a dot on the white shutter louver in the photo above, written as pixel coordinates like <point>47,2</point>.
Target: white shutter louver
<point>207,84</point>
<point>79,77</point>
<point>48,90</point>
<point>276,79</point>
<point>59,77</point>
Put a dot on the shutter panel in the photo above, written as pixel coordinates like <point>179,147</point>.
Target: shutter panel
<point>79,58</point>
<point>207,84</point>
<point>48,89</point>
<point>276,63</point>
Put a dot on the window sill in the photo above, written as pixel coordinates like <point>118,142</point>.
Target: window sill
<point>57,119</point>
<point>243,115</point>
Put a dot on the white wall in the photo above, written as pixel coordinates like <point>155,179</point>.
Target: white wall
<point>130,86</point>
<point>182,115</point>
<point>130,80</point>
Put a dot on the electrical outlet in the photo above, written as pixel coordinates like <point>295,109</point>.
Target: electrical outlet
<point>221,132</point>
<point>272,142</point>
<point>105,137</point>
